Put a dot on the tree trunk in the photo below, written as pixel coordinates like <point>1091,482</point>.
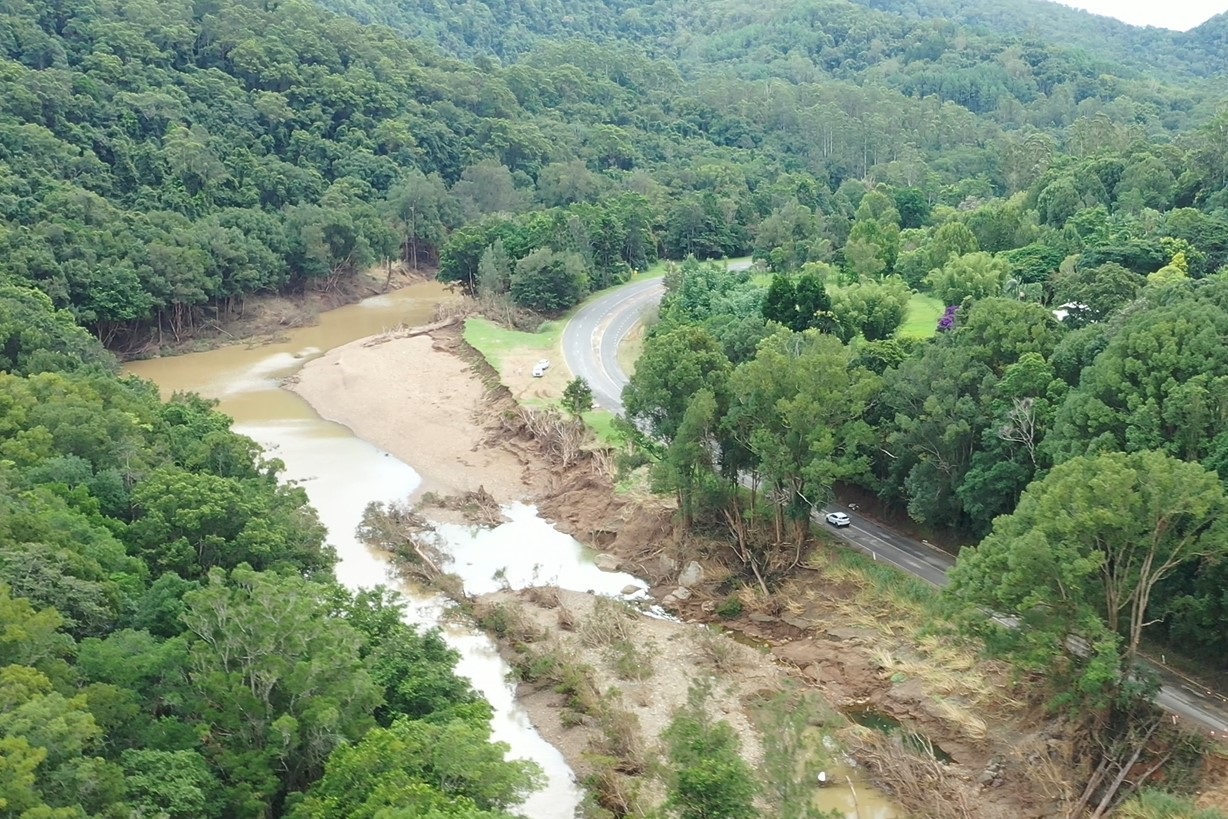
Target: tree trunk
<point>413,216</point>
<point>1111,791</point>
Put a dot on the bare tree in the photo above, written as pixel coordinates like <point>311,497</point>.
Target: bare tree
<point>1021,426</point>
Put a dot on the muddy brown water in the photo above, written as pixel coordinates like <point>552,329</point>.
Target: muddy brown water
<point>342,473</point>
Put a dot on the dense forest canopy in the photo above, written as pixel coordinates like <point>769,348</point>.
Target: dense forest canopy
<point>134,536</point>
<point>1198,52</point>
<point>995,238</point>
<point>162,162</point>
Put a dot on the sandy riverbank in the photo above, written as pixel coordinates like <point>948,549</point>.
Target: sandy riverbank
<point>421,404</point>
<point>419,399</point>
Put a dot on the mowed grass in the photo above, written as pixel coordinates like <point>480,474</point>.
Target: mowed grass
<point>921,321</point>
<point>601,422</point>
<point>498,344</point>
<point>495,343</point>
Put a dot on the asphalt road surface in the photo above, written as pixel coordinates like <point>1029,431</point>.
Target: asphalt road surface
<point>592,338</point>
<point>590,347</point>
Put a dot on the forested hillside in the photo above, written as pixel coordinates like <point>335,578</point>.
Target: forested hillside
<point>172,641</point>
<point>1199,52</point>
<point>997,295</point>
<point>991,60</point>
<point>164,161</point>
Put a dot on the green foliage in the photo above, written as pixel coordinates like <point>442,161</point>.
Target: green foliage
<point>1082,555</point>
<point>137,674</point>
<point>442,770</point>
<point>154,182</point>
<point>730,608</point>
<point>414,669</point>
<point>874,310</point>
<point>686,468</point>
<point>577,397</point>
<point>36,338</point>
<point>971,276</point>
<point>1149,803</point>
<point>797,411</point>
<point>549,282</point>
<point>190,523</point>
<point>1152,386</point>
<point>675,365</point>
<point>298,679</point>
<point>494,270</point>
<point>177,784</point>
<point>798,304</point>
<point>707,777</point>
<point>1094,293</point>
<point>945,416</point>
<point>163,162</point>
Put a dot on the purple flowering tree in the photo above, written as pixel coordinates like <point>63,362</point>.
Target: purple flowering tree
<point>947,322</point>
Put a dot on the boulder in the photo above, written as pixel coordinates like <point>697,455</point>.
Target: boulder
<point>692,575</point>
<point>799,623</point>
<point>801,653</point>
<point>630,588</point>
<point>605,562</point>
<point>681,593</point>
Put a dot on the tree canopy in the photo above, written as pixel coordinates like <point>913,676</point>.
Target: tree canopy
<point>173,640</point>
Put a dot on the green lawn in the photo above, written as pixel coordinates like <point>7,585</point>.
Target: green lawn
<point>922,319</point>
<point>601,422</point>
<point>495,342</point>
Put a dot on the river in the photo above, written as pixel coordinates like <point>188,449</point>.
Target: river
<point>342,473</point>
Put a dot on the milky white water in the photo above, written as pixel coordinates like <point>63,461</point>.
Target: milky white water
<point>342,474</point>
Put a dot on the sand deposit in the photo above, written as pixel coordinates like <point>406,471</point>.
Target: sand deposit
<point>420,404</point>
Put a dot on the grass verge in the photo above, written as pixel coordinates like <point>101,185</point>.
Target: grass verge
<point>601,422</point>
<point>921,321</point>
<point>495,343</point>
<point>889,584</point>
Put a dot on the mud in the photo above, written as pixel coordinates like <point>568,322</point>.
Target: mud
<point>1006,760</point>
<point>262,319</point>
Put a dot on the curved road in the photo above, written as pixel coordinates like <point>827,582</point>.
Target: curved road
<point>592,338</point>
<point>591,341</point>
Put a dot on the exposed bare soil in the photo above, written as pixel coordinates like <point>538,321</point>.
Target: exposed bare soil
<point>433,404</point>
<point>415,399</point>
<point>640,670</point>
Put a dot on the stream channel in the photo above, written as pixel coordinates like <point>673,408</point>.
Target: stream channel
<point>342,474</point>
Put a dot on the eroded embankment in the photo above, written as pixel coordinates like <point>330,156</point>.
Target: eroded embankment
<point>839,628</point>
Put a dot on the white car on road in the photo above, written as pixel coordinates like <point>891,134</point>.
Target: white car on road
<point>838,519</point>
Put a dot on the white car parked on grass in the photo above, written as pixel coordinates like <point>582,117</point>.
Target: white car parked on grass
<point>838,519</point>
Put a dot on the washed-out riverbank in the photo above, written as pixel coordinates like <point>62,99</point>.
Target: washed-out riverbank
<point>421,400</point>
<point>411,403</point>
<point>342,473</point>
<point>419,404</point>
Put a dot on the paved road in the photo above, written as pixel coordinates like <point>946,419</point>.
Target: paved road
<point>592,338</point>
<point>590,347</point>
